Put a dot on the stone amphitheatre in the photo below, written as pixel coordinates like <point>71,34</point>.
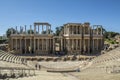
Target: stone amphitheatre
<point>78,53</point>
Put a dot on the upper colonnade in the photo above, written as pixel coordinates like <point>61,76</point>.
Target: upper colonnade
<point>38,28</point>
<point>78,28</point>
<point>37,25</point>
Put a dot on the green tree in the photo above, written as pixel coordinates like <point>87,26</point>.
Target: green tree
<point>110,34</point>
<point>49,31</point>
<point>30,31</point>
<point>58,30</point>
<point>10,31</point>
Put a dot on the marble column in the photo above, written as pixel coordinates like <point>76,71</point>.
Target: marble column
<point>97,31</point>
<point>34,29</point>
<point>34,46</point>
<point>68,45</point>
<point>88,46</point>
<point>25,29</point>
<point>20,45</point>
<point>68,30</point>
<point>47,29</point>
<point>93,30</point>
<point>97,43</point>
<point>30,29</point>
<point>16,29</point>
<point>53,44</point>
<point>72,29</point>
<point>88,30</point>
<point>84,30</point>
<point>12,43</point>
<point>38,44</point>
<point>101,44</point>
<point>80,44</point>
<point>61,44</point>
<point>16,44</point>
<point>38,29</point>
<point>80,29</point>
<point>49,48</point>
<point>75,29</point>
<point>11,30</point>
<point>42,44</point>
<point>85,45</point>
<point>25,46</point>
<point>30,45</point>
<point>101,31</point>
<point>93,45</point>
<point>42,29</point>
<point>46,45</point>
<point>64,29</point>
<point>50,29</point>
<point>76,44</point>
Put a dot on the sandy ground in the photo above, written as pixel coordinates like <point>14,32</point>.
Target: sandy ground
<point>43,75</point>
<point>97,76</point>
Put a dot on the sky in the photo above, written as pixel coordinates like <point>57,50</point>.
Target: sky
<point>58,12</point>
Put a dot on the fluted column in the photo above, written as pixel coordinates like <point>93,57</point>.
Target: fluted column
<point>97,31</point>
<point>16,44</point>
<point>46,45</point>
<point>50,44</point>
<point>12,43</point>
<point>34,46</point>
<point>38,44</point>
<point>30,45</point>
<point>93,30</point>
<point>80,44</point>
<point>76,30</point>
<point>25,29</point>
<point>97,43</point>
<point>38,29</point>
<point>101,44</point>
<point>64,29</point>
<point>50,29</point>
<point>88,46</point>
<point>34,29</point>
<point>42,29</point>
<point>42,44</point>
<point>30,29</point>
<point>61,44</point>
<point>88,30</point>
<point>84,30</point>
<point>93,46</point>
<point>81,29</point>
<point>72,30</point>
<point>101,31</point>
<point>16,29</point>
<point>47,29</point>
<point>76,44</point>
<point>25,46</point>
<point>84,45</point>
<point>68,30</point>
<point>20,45</point>
<point>11,30</point>
<point>53,44</point>
<point>68,45</point>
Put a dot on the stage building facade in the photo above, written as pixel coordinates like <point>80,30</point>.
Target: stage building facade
<point>74,38</point>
